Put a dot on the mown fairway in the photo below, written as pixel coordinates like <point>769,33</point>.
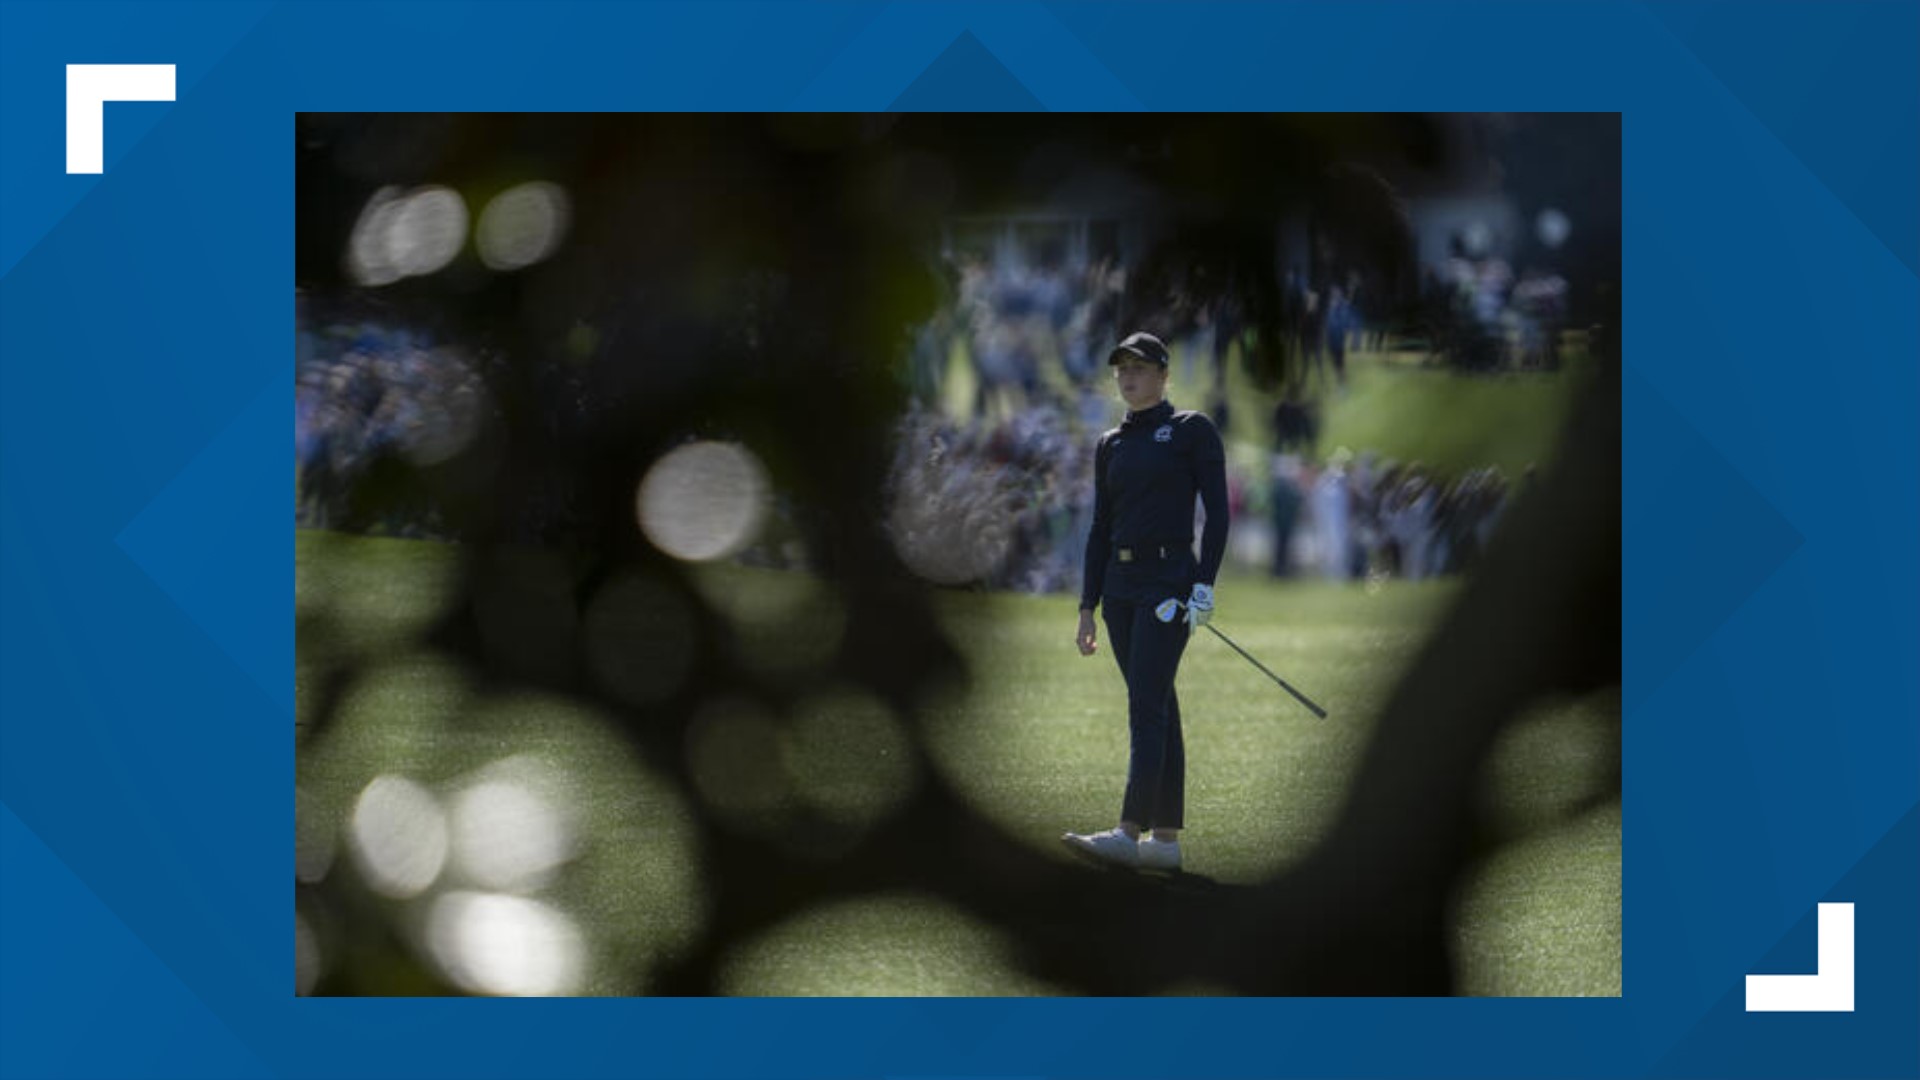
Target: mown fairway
<point>1039,745</point>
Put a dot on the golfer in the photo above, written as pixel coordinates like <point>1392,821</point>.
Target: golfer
<point>1142,572</point>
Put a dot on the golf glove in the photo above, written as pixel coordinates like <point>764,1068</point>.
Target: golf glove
<point>1200,605</point>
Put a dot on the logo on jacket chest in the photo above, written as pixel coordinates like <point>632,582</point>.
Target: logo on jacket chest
<point>1163,433</point>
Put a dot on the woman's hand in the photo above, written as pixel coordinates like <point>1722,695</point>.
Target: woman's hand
<point>1088,638</point>
<point>1200,606</point>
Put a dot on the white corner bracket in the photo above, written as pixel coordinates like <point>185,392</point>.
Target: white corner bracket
<point>89,88</point>
<point>1830,989</point>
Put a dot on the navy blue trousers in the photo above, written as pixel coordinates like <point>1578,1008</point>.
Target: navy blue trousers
<point>1148,652</point>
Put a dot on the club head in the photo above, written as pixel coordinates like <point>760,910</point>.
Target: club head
<point>1167,609</point>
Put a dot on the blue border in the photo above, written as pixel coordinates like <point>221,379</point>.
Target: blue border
<point>1773,759</point>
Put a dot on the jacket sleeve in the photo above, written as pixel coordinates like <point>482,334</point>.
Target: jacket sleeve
<point>1100,536</point>
<point>1209,464</point>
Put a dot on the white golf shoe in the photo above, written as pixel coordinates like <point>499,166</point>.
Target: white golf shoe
<point>1159,854</point>
<point>1112,847</point>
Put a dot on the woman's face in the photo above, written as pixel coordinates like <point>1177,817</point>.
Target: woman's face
<point>1142,384</point>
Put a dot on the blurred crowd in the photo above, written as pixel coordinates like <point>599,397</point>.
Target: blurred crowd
<point>991,482</point>
<point>1360,517</point>
<point>1021,331</point>
<point>1480,317</point>
<point>366,392</point>
<point>1006,504</point>
<point>1025,331</point>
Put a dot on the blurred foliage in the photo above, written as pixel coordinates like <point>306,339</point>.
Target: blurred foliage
<point>754,279</point>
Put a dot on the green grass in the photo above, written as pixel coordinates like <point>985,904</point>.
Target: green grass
<point>1401,409</point>
<point>1039,745</point>
<point>1450,422</point>
<point>1042,743</point>
<point>1394,404</point>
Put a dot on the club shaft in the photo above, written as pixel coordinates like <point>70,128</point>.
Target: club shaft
<point>1298,696</point>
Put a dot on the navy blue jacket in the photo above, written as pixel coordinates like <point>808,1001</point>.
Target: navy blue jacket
<point>1146,474</point>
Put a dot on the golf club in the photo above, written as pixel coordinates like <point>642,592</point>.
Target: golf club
<point>1169,608</point>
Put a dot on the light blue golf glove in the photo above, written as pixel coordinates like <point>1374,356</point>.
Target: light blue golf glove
<point>1200,605</point>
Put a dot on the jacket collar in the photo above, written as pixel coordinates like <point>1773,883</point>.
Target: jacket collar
<point>1158,414</point>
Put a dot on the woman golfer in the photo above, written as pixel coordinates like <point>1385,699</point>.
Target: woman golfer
<point>1141,569</point>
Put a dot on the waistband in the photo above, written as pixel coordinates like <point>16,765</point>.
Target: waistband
<point>1145,552</point>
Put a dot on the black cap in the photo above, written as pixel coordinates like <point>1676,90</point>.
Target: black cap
<point>1143,345</point>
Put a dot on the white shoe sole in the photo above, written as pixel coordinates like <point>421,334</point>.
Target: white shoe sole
<point>1151,854</point>
<point>1079,846</point>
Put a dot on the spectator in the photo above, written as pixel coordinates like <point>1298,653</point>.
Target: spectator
<point>1339,323</point>
<point>1288,494</point>
<point>1332,513</point>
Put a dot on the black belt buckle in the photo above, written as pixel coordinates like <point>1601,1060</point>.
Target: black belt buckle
<point>1127,554</point>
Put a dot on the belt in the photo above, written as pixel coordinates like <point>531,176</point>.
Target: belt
<point>1153,551</point>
